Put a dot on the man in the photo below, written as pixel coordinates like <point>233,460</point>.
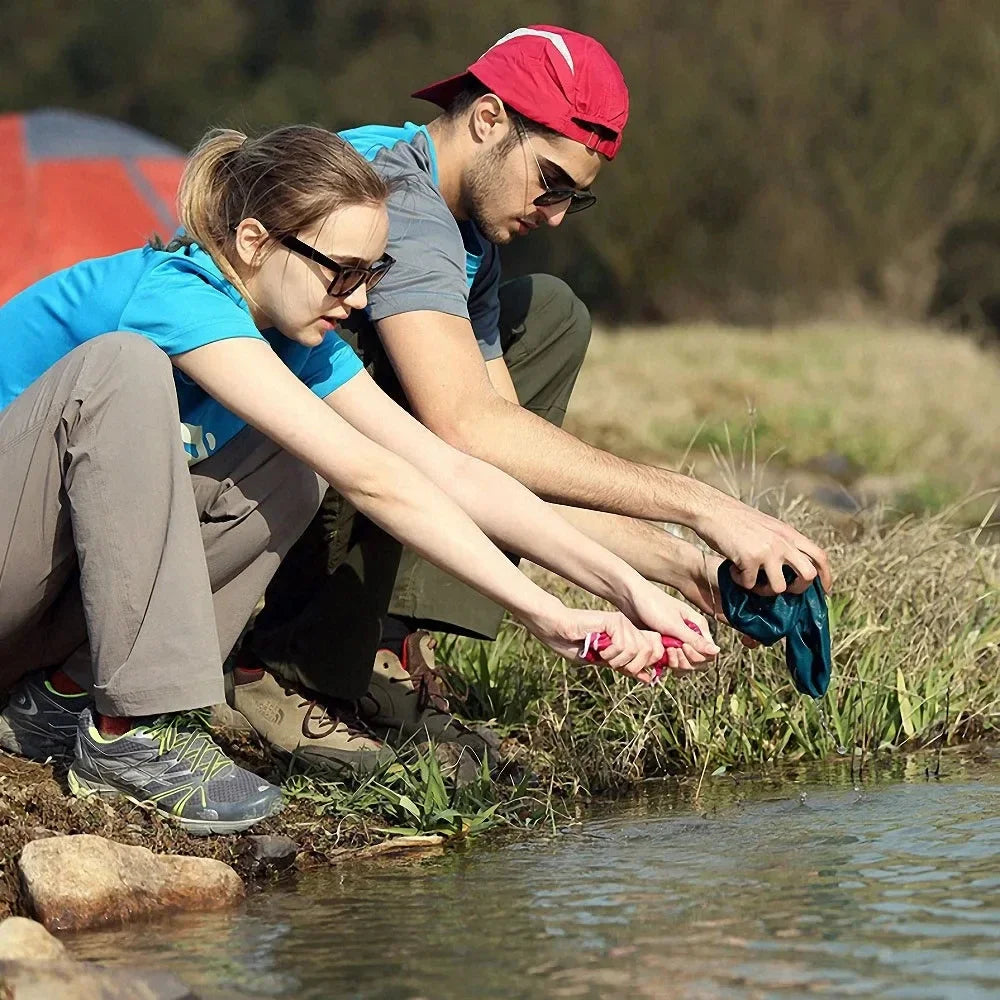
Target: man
<point>489,367</point>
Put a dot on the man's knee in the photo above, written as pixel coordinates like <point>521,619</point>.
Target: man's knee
<point>555,314</point>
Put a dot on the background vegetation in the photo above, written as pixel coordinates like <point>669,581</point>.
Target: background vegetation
<point>784,158</point>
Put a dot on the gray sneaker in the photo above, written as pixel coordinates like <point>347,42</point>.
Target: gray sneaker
<point>171,762</point>
<point>38,721</point>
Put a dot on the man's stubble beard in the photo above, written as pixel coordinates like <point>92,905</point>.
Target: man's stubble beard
<point>483,187</point>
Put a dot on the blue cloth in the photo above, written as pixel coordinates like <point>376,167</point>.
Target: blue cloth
<point>180,300</point>
<point>801,620</point>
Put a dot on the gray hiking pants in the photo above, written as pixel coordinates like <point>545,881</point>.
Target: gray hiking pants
<point>117,562</point>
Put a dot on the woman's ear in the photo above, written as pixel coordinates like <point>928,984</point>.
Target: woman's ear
<point>250,239</point>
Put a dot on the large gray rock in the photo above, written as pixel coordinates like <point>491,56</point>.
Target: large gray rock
<point>22,939</point>
<point>87,881</point>
<point>69,980</point>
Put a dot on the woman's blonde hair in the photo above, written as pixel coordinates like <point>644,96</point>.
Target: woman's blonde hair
<point>287,179</point>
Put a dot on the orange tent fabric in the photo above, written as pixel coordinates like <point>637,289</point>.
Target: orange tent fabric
<point>74,186</point>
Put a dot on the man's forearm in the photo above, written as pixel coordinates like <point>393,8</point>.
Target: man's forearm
<point>563,469</point>
<point>652,551</point>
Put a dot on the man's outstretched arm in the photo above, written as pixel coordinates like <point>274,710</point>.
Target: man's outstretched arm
<point>445,379</point>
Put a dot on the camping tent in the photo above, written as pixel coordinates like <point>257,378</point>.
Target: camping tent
<point>74,186</point>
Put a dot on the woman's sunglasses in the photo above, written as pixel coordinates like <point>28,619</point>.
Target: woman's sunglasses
<point>346,279</point>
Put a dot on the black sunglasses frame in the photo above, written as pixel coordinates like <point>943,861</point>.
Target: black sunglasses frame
<point>578,200</point>
<point>367,276</point>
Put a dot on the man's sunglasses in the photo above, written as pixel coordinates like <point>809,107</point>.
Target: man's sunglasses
<point>578,200</point>
<point>346,280</point>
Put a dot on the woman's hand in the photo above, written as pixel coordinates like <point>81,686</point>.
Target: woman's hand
<point>666,615</point>
<point>632,651</point>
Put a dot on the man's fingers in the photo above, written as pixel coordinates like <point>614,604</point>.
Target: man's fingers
<point>775,578</point>
<point>805,571</point>
<point>745,576</point>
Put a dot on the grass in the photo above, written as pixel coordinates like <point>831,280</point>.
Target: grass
<point>916,621</point>
<point>915,608</point>
<point>904,415</point>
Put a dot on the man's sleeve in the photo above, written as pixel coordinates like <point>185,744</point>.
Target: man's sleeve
<point>484,304</point>
<point>429,273</point>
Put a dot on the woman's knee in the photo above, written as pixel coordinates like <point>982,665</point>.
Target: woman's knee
<point>130,353</point>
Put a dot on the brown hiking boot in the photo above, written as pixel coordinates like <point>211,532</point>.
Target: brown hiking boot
<point>294,725</point>
<point>406,702</point>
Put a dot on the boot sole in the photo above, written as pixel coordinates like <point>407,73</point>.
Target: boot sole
<point>84,788</point>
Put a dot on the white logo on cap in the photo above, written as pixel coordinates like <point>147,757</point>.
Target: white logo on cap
<point>557,40</point>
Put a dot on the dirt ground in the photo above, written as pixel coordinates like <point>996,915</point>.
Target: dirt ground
<point>35,802</point>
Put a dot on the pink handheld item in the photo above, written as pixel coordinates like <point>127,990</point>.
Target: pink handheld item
<point>595,642</point>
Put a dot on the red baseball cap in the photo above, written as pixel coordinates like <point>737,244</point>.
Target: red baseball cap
<point>558,78</point>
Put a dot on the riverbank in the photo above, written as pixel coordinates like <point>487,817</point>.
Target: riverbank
<point>916,619</point>
<point>915,612</point>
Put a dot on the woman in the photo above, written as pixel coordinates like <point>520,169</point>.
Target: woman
<point>133,574</point>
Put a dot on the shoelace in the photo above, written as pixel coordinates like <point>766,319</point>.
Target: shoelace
<point>319,720</point>
<point>186,733</point>
<point>431,688</point>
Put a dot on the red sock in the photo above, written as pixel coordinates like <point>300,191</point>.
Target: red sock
<point>113,725</point>
<point>63,683</point>
<point>247,669</point>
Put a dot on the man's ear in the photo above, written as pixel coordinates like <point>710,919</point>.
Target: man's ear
<point>251,236</point>
<point>489,119</point>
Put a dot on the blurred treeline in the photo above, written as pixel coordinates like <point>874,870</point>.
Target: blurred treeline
<point>784,157</point>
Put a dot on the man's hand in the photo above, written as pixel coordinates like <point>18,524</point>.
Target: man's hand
<point>758,542</point>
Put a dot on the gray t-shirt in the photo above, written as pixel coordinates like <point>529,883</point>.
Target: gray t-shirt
<point>441,264</point>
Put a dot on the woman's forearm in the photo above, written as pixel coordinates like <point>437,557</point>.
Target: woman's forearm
<point>405,503</point>
<point>519,521</point>
<point>246,377</point>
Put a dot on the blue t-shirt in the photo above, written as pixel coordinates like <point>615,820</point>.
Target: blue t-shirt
<point>180,300</point>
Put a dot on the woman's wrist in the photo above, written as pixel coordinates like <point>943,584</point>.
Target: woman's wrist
<point>542,613</point>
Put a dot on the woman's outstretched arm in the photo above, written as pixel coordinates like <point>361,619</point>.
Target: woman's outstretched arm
<point>248,378</point>
<point>515,518</point>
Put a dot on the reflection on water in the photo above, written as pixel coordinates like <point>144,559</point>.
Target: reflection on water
<point>763,891</point>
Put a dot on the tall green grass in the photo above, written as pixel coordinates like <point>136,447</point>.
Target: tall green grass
<point>915,613</point>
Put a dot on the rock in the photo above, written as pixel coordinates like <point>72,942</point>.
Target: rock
<point>276,853</point>
<point>87,881</point>
<point>70,980</point>
<point>22,939</point>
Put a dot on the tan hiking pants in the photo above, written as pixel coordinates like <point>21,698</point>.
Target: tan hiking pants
<point>116,561</point>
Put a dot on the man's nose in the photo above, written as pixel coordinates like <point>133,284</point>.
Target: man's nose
<point>554,214</point>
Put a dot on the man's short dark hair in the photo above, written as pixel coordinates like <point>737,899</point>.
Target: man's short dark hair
<point>464,100</point>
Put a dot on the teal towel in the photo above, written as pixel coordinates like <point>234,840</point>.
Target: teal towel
<point>801,620</point>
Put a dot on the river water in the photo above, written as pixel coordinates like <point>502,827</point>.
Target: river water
<point>807,885</point>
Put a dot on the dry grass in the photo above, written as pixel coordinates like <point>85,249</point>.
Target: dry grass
<point>911,413</point>
<point>915,615</point>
